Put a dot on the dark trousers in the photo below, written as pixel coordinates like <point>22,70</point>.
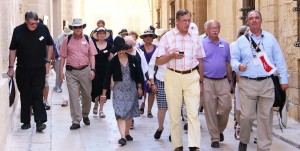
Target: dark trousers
<point>31,83</point>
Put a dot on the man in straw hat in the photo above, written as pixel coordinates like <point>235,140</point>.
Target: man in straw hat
<point>31,40</point>
<point>184,65</point>
<point>80,53</point>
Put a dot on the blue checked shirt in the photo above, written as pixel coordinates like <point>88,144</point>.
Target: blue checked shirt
<point>244,54</point>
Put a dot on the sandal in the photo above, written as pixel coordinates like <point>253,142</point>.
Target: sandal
<point>150,115</point>
<point>95,110</point>
<point>141,111</point>
<point>101,114</point>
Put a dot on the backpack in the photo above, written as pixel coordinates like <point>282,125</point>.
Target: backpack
<point>70,36</point>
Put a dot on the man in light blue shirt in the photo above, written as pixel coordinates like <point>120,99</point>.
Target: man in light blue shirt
<point>58,84</point>
<point>256,86</point>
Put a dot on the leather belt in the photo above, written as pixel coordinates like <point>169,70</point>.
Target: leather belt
<point>258,78</point>
<point>185,71</point>
<point>215,78</point>
<point>68,67</point>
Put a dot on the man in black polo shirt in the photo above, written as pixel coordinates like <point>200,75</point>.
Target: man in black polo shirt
<point>32,44</point>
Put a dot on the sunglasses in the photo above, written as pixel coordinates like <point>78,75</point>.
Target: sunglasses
<point>78,27</point>
<point>147,36</point>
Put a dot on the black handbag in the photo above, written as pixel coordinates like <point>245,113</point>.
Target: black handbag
<point>12,92</point>
<point>280,95</point>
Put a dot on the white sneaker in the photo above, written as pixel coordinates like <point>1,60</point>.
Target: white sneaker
<point>237,132</point>
<point>57,90</point>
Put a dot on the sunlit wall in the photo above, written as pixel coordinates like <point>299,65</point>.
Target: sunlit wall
<point>118,14</point>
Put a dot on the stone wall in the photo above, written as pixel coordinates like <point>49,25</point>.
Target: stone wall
<point>281,21</point>
<point>12,14</point>
<point>278,19</point>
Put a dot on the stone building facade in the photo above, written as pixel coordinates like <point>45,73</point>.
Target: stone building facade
<point>12,14</point>
<point>278,18</point>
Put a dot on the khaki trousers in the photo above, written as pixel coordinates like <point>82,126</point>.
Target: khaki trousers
<point>79,80</point>
<point>217,106</point>
<point>177,85</point>
<point>257,98</point>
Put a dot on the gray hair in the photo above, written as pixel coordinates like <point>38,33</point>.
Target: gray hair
<point>129,39</point>
<point>182,12</point>
<point>211,21</point>
<point>252,12</point>
<point>243,29</point>
<point>31,15</point>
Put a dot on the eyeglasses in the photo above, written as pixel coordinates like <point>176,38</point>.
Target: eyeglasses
<point>216,28</point>
<point>32,23</point>
<point>78,27</point>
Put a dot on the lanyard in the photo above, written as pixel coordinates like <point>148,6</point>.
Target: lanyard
<point>254,49</point>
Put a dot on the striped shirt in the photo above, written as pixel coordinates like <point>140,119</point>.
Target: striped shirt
<point>190,44</point>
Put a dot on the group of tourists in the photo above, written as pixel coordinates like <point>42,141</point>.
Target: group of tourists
<point>175,66</point>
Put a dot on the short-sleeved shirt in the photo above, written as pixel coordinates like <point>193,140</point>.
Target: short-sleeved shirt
<point>30,46</point>
<point>190,44</point>
<point>60,39</point>
<point>78,51</point>
<point>217,56</point>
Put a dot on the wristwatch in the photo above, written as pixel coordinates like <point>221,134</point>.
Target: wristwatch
<point>93,70</point>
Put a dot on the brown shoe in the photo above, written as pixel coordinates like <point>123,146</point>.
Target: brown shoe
<point>74,126</point>
<point>86,121</point>
<point>179,148</point>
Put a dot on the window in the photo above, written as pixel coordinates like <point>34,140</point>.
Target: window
<point>172,19</point>
<point>248,5</point>
<point>158,18</point>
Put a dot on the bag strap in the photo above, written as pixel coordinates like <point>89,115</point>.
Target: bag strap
<point>252,42</point>
<point>70,36</point>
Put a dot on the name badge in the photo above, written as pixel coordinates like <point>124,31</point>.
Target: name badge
<point>221,45</point>
<point>83,42</point>
<point>41,38</point>
<point>105,51</point>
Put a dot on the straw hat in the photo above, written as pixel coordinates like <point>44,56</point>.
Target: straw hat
<point>101,29</point>
<point>76,23</point>
<point>148,32</point>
